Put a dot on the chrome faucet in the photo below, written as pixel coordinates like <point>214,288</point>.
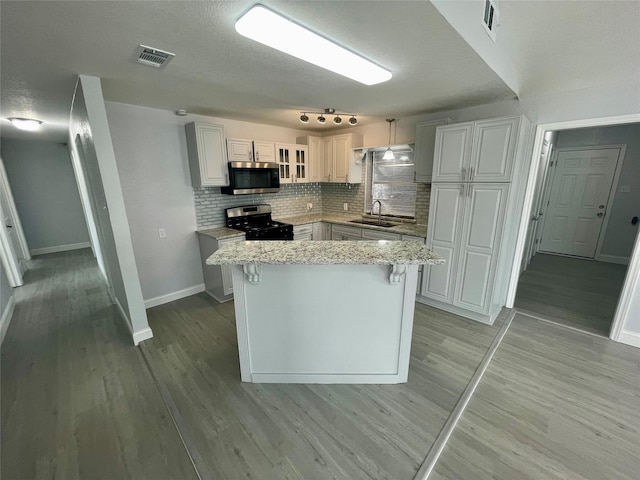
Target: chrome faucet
<point>379,209</point>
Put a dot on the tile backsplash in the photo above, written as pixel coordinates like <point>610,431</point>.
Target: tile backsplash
<point>292,200</point>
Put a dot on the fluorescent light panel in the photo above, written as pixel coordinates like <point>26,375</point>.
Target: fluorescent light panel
<point>264,26</point>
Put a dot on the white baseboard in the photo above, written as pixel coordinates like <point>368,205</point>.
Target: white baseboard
<point>139,335</point>
<point>6,317</point>
<point>170,297</point>
<point>218,299</point>
<point>60,248</point>
<point>613,259</point>
<point>629,338</point>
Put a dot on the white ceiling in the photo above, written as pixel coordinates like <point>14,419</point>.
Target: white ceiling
<point>45,45</point>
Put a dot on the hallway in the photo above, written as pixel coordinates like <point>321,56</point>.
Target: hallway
<point>78,401</point>
<point>573,292</point>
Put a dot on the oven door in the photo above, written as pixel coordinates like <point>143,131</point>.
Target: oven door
<point>252,177</point>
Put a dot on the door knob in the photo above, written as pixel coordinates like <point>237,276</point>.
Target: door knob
<point>600,214</point>
<point>600,207</point>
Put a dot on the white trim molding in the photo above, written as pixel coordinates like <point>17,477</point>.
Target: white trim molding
<point>142,335</point>
<point>5,320</point>
<point>629,338</point>
<point>171,297</point>
<point>613,259</point>
<point>60,248</point>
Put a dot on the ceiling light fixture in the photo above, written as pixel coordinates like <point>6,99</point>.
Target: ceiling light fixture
<point>269,28</point>
<point>27,124</point>
<point>322,119</point>
<point>388,155</point>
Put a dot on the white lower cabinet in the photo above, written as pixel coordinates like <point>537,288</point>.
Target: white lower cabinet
<point>378,235</point>
<point>342,232</point>
<point>303,232</point>
<point>465,227</point>
<point>218,281</point>
<point>321,231</point>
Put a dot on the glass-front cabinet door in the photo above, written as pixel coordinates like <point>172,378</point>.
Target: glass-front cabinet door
<point>283,158</point>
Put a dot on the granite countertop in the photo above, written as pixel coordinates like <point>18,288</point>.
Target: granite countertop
<point>279,252</point>
<point>221,232</point>
<point>405,228</point>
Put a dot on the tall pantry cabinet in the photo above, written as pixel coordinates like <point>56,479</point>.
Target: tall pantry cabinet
<point>473,215</point>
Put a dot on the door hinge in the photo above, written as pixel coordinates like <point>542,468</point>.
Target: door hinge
<point>536,241</point>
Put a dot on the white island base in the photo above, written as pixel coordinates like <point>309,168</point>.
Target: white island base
<point>324,323</point>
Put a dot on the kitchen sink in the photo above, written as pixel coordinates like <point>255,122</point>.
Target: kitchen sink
<point>375,223</point>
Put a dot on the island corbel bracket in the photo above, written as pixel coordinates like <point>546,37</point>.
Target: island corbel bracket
<point>253,272</point>
<point>397,272</point>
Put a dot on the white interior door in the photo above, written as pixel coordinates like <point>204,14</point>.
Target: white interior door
<point>580,191</point>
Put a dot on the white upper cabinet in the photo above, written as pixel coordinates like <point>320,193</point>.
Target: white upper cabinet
<point>481,151</point>
<point>264,151</point>
<point>424,148</point>
<point>494,144</point>
<point>315,151</point>
<point>207,154</point>
<point>242,150</point>
<point>331,159</point>
<point>293,161</point>
<point>452,152</point>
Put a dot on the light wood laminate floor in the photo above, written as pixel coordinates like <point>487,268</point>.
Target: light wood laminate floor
<point>268,431</point>
<point>578,293</point>
<point>553,404</point>
<point>78,401</point>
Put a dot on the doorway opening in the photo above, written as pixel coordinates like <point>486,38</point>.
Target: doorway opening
<point>581,240</point>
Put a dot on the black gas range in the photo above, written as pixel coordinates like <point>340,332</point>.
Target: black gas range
<point>256,222</point>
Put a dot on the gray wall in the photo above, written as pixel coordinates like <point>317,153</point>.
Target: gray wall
<point>620,234</point>
<point>45,192</point>
<point>97,160</point>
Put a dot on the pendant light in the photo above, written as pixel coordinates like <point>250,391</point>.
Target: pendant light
<point>388,155</point>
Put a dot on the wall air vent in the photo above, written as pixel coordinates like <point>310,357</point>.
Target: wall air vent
<point>490,18</point>
<point>153,57</point>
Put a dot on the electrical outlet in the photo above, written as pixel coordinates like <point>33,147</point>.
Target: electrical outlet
<point>345,206</point>
<point>162,233</point>
<point>625,189</point>
<point>309,206</point>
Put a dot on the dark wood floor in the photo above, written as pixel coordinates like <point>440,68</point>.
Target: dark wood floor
<point>578,293</point>
<point>80,402</point>
<point>553,404</point>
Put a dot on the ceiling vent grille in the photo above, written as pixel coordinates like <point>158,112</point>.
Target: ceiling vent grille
<point>153,57</point>
<point>490,18</point>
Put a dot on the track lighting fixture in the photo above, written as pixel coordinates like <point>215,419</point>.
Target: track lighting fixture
<point>322,117</point>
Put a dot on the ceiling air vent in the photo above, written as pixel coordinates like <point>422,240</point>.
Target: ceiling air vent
<point>153,57</point>
<point>490,18</point>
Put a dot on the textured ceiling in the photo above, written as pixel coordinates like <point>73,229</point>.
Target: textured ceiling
<point>218,72</point>
<point>555,46</point>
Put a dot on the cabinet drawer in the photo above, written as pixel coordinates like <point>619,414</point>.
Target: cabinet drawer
<point>346,231</point>
<point>377,235</point>
<point>303,232</point>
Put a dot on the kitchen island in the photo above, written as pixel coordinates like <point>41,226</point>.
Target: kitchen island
<point>324,312</point>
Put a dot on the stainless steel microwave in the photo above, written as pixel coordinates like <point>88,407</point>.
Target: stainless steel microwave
<point>252,177</point>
